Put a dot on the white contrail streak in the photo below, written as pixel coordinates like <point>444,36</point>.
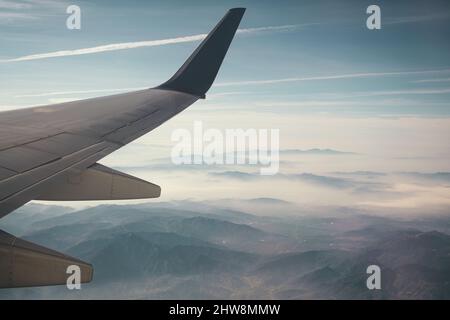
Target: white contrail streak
<point>63,93</point>
<point>330,77</point>
<point>140,44</point>
<point>108,47</point>
<point>432,80</point>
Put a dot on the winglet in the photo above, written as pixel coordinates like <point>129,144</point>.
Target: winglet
<point>197,74</point>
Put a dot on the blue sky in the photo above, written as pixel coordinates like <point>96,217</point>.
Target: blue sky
<point>326,38</point>
<point>309,68</point>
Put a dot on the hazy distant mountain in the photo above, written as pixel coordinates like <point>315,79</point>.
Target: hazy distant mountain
<point>22,220</point>
<point>316,151</point>
<point>433,177</point>
<point>295,264</point>
<point>138,255</point>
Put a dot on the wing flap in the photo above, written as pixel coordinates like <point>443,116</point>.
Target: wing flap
<point>101,183</point>
<point>21,188</point>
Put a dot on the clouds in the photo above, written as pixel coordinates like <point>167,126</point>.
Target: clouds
<point>332,77</point>
<point>419,91</point>
<point>4,4</point>
<point>432,80</point>
<point>141,44</point>
<point>11,17</point>
<point>314,151</point>
<point>106,48</point>
<point>72,92</point>
<point>12,12</point>
<point>411,190</point>
<point>324,162</point>
<point>416,19</point>
<point>323,181</point>
<point>434,177</point>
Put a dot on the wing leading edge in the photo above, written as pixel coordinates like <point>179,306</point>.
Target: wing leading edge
<point>44,150</point>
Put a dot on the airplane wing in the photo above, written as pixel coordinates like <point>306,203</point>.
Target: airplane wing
<point>51,152</point>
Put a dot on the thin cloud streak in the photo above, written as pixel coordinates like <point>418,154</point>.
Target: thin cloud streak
<point>4,4</point>
<point>331,77</point>
<point>11,12</point>
<point>431,80</point>
<point>399,92</point>
<point>106,48</point>
<point>62,93</point>
<point>10,17</point>
<point>345,103</point>
<point>140,44</point>
<point>414,19</point>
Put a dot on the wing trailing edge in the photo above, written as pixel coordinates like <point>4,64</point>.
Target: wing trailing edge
<point>101,183</point>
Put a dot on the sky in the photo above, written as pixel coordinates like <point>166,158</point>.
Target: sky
<point>377,100</point>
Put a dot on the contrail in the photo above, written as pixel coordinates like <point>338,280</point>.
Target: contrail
<point>63,93</point>
<point>432,80</point>
<point>329,77</point>
<point>402,92</point>
<point>140,44</point>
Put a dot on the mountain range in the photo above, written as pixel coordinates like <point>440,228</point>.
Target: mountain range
<point>202,251</point>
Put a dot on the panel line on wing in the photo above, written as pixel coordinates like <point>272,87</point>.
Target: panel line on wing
<point>27,174</point>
